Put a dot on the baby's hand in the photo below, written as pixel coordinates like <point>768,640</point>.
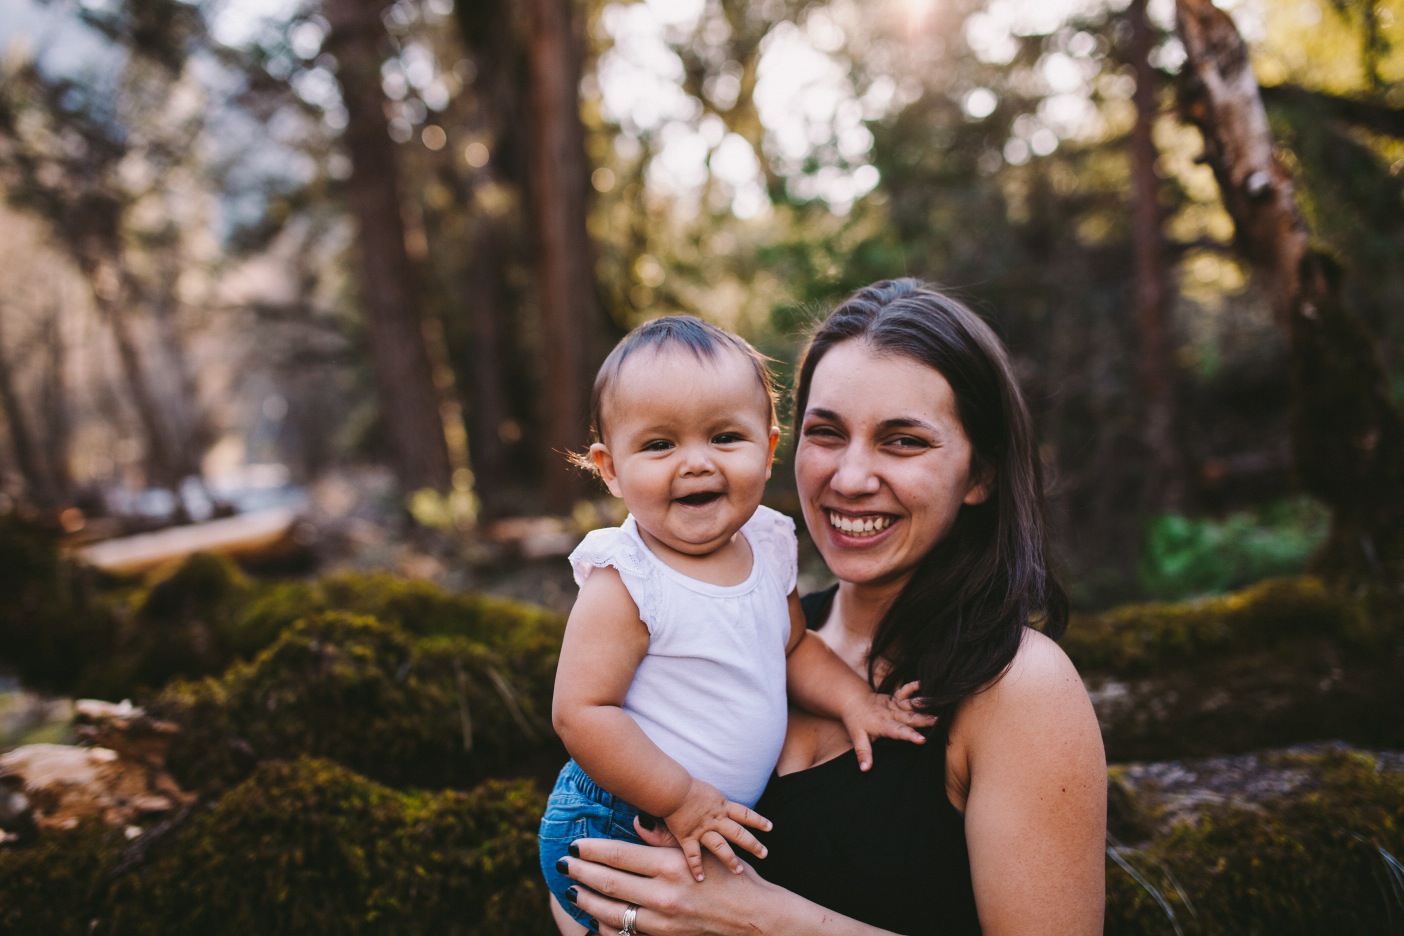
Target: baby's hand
<point>706,818</point>
<point>884,716</point>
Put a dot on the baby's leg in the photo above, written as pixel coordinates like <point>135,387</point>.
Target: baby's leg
<point>564,921</point>
<point>577,808</point>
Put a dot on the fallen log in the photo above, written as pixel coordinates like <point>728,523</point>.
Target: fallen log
<point>244,536</point>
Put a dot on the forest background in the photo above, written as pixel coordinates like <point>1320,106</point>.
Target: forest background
<point>357,261</point>
<point>243,234</point>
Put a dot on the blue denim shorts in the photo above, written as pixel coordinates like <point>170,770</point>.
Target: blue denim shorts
<point>579,808</point>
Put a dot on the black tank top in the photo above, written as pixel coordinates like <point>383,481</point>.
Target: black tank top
<point>884,847</point>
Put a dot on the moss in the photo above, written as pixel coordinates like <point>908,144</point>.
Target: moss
<point>1144,638</point>
<point>52,624</point>
<point>1323,858</point>
<point>54,886</point>
<point>175,628</point>
<point>520,631</point>
<point>1285,661</point>
<point>309,847</point>
<point>303,846</point>
<point>406,711</point>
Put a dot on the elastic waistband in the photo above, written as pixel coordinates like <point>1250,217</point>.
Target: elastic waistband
<point>592,790</point>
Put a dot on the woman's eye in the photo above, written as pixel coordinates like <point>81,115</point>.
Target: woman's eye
<point>908,442</point>
<point>820,432</point>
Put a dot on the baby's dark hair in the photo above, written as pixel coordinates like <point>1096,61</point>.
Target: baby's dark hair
<point>703,339</point>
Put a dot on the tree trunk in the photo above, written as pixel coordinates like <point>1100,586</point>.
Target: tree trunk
<point>409,400</point>
<point>1164,481</point>
<point>27,459</point>
<point>559,174</point>
<point>1348,437</point>
<point>490,31</point>
<point>112,292</point>
<point>54,404</point>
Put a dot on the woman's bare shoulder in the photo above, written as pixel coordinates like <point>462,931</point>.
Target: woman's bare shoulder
<point>1040,697</point>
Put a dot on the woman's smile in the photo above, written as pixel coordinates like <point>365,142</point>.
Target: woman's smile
<point>861,526</point>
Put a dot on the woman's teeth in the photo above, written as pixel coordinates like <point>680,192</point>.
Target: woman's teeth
<point>860,526</point>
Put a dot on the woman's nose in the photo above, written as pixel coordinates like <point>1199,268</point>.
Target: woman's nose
<point>854,475</point>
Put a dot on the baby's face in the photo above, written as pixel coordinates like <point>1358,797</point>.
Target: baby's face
<point>688,445</point>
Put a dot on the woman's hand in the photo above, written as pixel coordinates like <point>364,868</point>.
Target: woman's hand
<point>659,882</point>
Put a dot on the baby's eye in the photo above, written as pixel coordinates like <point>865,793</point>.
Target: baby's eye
<point>726,438</point>
<point>657,445</point>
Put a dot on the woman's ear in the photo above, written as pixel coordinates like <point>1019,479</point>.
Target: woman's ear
<point>982,482</point>
<point>604,464</point>
<point>774,441</point>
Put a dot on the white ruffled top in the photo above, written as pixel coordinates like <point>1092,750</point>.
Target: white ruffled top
<point>711,690</point>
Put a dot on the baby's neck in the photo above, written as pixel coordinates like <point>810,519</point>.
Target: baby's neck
<point>729,564</point>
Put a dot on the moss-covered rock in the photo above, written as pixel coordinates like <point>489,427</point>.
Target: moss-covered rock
<point>303,846</point>
<point>430,711</point>
<point>54,887</point>
<point>52,623</point>
<point>1322,857</point>
<point>1145,638</point>
<point>526,635</point>
<point>1285,661</point>
<point>178,627</point>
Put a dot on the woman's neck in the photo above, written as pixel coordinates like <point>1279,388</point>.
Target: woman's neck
<point>854,618</point>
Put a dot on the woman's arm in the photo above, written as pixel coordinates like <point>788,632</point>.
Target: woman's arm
<point>1036,811</point>
<point>603,646</point>
<point>656,880</point>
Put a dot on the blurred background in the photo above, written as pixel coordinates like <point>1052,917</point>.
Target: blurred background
<point>359,260</point>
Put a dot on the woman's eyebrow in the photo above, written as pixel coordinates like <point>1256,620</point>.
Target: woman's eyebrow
<point>906,422</point>
<point>887,425</point>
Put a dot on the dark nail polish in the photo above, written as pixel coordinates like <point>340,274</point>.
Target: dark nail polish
<point>574,850</point>
<point>562,866</point>
<point>647,821</point>
<point>572,894</point>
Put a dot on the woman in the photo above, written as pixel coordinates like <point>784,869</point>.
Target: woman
<point>917,473</point>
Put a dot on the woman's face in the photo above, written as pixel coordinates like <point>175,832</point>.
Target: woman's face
<point>883,464</point>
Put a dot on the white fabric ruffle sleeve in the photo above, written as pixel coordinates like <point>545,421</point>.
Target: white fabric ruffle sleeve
<point>617,548</point>
<point>773,534</point>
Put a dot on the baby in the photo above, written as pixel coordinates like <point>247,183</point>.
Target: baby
<point>671,690</point>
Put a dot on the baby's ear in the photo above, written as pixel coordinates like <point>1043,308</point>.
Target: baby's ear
<point>604,464</point>
<point>774,441</point>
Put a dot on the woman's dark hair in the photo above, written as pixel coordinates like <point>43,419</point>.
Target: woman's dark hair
<point>703,339</point>
<point>957,623</point>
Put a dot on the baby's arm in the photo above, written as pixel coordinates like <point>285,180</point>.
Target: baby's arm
<point>819,682</point>
<point>604,643</point>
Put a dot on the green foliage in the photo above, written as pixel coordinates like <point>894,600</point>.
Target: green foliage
<point>444,710</point>
<point>303,846</point>
<point>1185,557</point>
<point>1324,858</point>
